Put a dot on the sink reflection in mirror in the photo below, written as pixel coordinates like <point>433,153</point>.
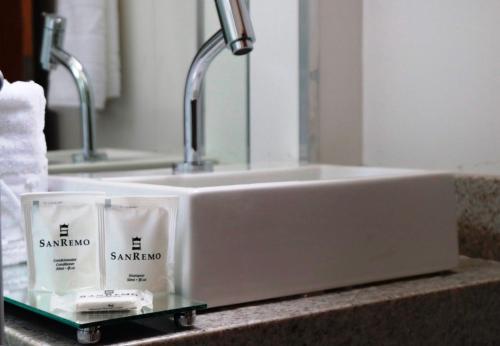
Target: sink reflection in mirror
<point>62,161</point>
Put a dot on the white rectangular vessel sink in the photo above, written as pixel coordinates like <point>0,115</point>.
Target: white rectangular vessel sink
<point>259,234</point>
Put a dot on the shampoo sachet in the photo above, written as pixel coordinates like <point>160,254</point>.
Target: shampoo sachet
<point>139,243</point>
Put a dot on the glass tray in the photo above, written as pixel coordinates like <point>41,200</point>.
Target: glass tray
<point>15,281</point>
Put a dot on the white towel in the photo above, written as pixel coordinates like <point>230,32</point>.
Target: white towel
<point>23,146</point>
<point>92,36</point>
<point>23,160</point>
<point>24,97</point>
<point>13,241</point>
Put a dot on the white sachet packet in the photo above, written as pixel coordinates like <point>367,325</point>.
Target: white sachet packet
<point>139,243</point>
<point>63,232</point>
<point>102,301</point>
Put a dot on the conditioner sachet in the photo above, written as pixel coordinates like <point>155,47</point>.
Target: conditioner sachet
<point>63,234</point>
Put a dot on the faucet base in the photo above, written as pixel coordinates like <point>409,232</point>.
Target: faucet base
<point>93,157</point>
<point>193,167</point>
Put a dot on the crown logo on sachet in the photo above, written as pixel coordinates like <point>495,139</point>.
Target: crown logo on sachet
<point>63,230</point>
<point>136,244</point>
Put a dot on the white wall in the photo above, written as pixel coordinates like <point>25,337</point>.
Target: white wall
<point>431,83</point>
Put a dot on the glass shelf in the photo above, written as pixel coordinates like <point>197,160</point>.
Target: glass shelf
<point>16,293</point>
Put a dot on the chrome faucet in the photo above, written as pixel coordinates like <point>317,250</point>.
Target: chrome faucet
<point>238,35</point>
<point>1,80</point>
<point>52,54</point>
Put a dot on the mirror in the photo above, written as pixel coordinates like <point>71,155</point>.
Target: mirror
<point>158,41</point>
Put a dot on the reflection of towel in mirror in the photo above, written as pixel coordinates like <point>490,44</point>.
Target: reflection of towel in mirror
<point>92,36</point>
<point>23,161</point>
<point>13,244</point>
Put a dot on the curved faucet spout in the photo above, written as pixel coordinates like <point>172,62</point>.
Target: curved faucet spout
<point>194,143</point>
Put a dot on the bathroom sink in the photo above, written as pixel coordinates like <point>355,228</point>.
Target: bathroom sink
<point>61,161</point>
<point>266,233</point>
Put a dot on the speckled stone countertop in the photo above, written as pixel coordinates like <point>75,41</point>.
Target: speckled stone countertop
<point>459,307</point>
<point>478,198</point>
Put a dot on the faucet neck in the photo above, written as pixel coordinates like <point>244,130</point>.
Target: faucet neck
<point>194,117</point>
<point>87,110</point>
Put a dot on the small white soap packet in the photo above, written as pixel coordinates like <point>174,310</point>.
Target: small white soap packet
<point>103,301</point>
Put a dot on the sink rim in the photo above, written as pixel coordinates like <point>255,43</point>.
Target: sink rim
<point>374,174</point>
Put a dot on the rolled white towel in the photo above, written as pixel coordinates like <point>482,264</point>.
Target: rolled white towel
<point>13,240</point>
<point>21,105</point>
<point>13,127</point>
<point>23,147</point>
<point>12,146</point>
<point>23,164</point>
<point>23,159</point>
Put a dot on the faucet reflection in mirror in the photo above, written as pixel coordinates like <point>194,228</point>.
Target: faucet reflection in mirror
<point>238,35</point>
<point>52,53</point>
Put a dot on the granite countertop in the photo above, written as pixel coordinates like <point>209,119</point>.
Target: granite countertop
<point>459,307</point>
<point>478,198</point>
